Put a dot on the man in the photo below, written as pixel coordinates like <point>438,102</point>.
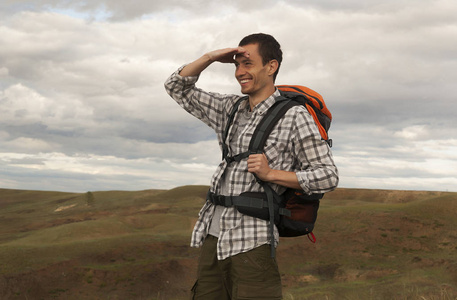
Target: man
<point>235,261</point>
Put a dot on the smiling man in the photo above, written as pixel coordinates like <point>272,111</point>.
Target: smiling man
<point>235,261</point>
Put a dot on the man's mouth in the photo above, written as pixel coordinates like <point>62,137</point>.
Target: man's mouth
<point>244,81</point>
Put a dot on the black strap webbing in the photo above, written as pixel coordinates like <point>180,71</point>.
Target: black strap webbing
<point>238,157</point>
<point>270,195</point>
<point>229,201</point>
<point>227,126</point>
<point>265,126</point>
<point>256,145</point>
<point>259,203</point>
<point>262,131</point>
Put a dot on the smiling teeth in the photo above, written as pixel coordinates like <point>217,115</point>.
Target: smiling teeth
<point>244,81</point>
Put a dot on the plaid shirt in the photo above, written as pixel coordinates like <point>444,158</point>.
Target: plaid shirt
<point>294,145</point>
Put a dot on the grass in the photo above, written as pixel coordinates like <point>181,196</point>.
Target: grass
<point>374,249</point>
<point>372,244</point>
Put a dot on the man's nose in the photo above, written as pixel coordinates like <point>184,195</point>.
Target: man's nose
<point>239,71</point>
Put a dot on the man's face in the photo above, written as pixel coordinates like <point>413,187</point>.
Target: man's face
<point>250,72</point>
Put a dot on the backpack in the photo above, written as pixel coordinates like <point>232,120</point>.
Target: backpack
<point>294,212</point>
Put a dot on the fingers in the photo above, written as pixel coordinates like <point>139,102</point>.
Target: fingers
<point>257,163</point>
<point>242,51</point>
<point>227,55</point>
<point>254,158</point>
<point>253,165</point>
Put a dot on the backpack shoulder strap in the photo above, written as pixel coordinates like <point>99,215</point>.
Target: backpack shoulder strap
<point>263,129</point>
<point>265,126</point>
<point>231,116</point>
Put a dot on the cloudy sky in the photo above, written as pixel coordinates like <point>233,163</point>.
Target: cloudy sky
<point>83,108</point>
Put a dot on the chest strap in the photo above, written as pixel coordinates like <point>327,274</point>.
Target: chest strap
<point>252,200</point>
<point>266,206</point>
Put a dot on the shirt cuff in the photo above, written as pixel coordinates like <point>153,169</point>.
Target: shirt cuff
<point>186,80</point>
<point>303,181</point>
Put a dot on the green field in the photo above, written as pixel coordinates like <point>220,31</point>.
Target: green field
<point>371,244</point>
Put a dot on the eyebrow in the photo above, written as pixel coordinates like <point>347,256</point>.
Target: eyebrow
<point>242,59</point>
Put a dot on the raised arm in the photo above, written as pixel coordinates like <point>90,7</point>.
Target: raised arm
<point>222,55</point>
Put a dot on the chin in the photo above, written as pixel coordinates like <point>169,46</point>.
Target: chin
<point>245,91</point>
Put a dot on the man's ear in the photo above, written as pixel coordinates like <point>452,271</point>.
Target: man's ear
<point>273,66</point>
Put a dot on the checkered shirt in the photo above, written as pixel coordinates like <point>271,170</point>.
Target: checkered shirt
<point>294,145</point>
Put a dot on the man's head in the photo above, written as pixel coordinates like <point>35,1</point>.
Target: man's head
<point>257,65</point>
<point>269,48</point>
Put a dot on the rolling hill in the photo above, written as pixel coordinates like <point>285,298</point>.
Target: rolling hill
<point>372,244</point>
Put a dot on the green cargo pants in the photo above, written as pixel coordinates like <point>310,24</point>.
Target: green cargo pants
<point>250,275</point>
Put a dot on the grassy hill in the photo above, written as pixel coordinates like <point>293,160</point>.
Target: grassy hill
<point>372,244</point>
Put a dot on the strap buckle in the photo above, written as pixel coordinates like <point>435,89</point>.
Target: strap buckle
<point>221,200</point>
<point>229,159</point>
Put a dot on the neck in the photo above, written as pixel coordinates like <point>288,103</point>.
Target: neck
<point>256,98</point>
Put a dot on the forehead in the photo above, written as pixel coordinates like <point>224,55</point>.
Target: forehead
<point>252,49</point>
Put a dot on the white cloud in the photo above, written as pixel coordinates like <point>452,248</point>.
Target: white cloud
<point>413,132</point>
<point>29,145</point>
<point>81,89</point>
<point>21,105</point>
<point>167,166</point>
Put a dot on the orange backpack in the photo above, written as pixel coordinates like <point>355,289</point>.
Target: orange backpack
<point>315,105</point>
<point>294,212</point>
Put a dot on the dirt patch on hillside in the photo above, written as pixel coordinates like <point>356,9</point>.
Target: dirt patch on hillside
<point>70,280</point>
<point>65,207</point>
<point>368,249</point>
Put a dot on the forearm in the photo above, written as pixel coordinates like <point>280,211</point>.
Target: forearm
<point>258,165</point>
<point>320,179</point>
<point>284,178</point>
<point>197,66</point>
<point>222,55</point>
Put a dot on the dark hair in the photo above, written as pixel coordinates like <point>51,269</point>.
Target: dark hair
<point>269,48</point>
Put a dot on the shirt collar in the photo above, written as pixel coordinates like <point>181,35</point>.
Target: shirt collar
<point>263,106</point>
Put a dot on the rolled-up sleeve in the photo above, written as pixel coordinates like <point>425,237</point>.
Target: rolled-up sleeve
<point>318,172</point>
<point>206,106</point>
